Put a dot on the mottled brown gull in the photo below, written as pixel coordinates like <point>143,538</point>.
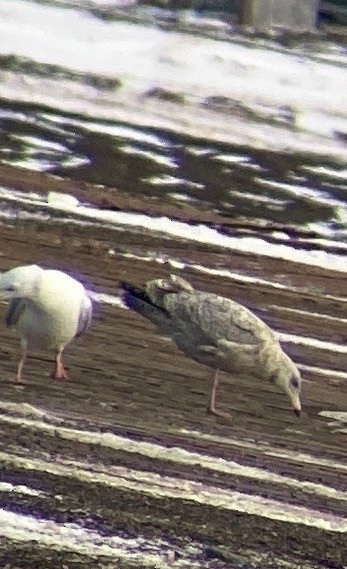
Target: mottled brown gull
<point>47,308</point>
<point>217,332</point>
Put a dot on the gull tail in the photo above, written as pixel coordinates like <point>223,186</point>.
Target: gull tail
<point>134,297</point>
<point>137,299</point>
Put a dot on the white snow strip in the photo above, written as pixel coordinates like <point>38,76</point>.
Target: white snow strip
<point>339,421</point>
<point>313,343</point>
<point>153,156</point>
<point>72,537</point>
<point>306,313</point>
<point>41,143</point>
<point>106,299</point>
<point>183,489</point>
<point>207,235</point>
<point>198,233</point>
<point>256,197</point>
<point>231,158</point>
<point>268,450</point>
<point>255,280</point>
<point>337,415</point>
<point>172,454</point>
<point>147,56</point>
<point>27,410</point>
<point>19,489</point>
<point>325,243</point>
<point>322,371</point>
<point>302,191</point>
<point>328,172</point>
<point>176,264</point>
<point>35,164</point>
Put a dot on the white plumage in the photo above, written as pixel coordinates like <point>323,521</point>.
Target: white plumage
<point>48,308</point>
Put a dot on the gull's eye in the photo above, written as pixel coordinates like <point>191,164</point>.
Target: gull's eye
<point>294,383</point>
<point>10,288</point>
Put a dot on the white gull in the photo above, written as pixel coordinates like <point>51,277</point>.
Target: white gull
<point>48,309</point>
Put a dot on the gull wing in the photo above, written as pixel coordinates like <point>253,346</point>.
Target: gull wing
<point>16,307</point>
<point>211,318</point>
<point>85,316</point>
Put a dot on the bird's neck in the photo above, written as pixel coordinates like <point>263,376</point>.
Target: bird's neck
<point>270,359</point>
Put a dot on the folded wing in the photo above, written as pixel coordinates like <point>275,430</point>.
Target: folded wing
<point>15,309</point>
<point>85,316</point>
<point>210,319</point>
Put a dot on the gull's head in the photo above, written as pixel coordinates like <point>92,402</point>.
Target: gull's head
<point>288,379</point>
<point>21,282</point>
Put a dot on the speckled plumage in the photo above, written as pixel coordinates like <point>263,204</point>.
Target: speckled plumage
<point>215,331</point>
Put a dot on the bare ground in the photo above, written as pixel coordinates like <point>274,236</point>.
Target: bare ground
<point>126,379</point>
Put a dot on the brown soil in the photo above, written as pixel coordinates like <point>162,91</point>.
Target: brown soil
<point>125,378</point>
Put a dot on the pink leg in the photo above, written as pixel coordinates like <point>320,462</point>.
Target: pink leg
<point>21,362</point>
<point>59,370</point>
<point>212,407</point>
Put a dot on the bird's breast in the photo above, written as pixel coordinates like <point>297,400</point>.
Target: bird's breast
<point>46,329</point>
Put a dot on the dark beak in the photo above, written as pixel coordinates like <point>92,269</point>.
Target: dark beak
<point>297,412</point>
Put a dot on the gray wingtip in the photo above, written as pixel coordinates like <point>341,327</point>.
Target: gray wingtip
<point>85,315</point>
